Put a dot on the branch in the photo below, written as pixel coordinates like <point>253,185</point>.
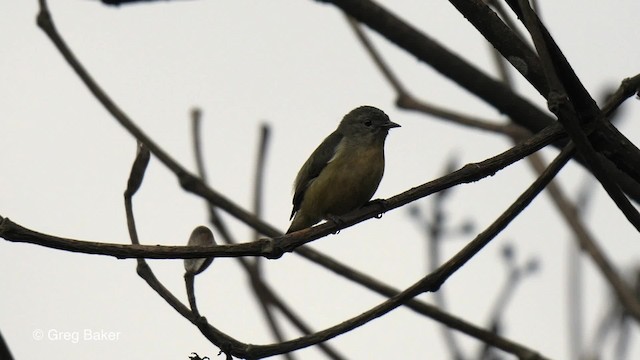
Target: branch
<point>265,132</point>
<point>515,274</point>
<point>277,246</point>
<point>506,41</point>
<point>405,100</point>
<point>434,234</point>
<point>628,87</point>
<point>5,352</point>
<point>565,85</point>
<point>128,2</point>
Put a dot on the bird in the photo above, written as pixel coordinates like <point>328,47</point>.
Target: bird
<point>344,171</point>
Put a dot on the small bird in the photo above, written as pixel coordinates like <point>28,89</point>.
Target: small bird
<point>344,172</point>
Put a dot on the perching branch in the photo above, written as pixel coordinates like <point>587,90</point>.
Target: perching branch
<point>277,246</point>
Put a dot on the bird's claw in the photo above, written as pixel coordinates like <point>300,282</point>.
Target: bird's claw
<point>380,203</point>
<point>336,220</point>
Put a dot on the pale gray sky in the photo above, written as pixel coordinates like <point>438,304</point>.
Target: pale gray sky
<point>297,66</point>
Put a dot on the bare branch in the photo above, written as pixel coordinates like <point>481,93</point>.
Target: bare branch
<point>5,353</point>
<point>507,41</point>
<point>574,106</point>
<point>434,233</point>
<point>628,88</point>
<point>263,145</point>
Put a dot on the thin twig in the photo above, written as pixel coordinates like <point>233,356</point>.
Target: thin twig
<point>515,275</point>
<point>135,180</point>
<point>189,281</point>
<point>254,268</point>
<point>629,87</point>
<point>434,235</point>
<point>258,185</point>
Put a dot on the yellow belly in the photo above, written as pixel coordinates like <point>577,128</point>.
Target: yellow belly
<point>347,183</point>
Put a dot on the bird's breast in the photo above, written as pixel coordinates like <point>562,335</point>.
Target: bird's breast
<point>349,180</point>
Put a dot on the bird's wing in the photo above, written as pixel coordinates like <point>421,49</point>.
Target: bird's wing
<point>313,167</point>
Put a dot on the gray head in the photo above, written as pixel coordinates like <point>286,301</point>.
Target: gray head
<point>366,121</point>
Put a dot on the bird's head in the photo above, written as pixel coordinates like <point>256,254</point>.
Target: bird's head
<point>366,122</point>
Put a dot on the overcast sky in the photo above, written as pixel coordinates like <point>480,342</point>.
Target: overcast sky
<point>296,66</point>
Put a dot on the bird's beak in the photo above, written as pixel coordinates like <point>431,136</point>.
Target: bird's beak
<point>389,125</point>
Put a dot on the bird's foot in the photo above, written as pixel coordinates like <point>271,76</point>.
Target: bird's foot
<point>381,204</point>
<point>336,220</point>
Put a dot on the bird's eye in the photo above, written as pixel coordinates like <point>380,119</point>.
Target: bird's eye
<point>367,123</point>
